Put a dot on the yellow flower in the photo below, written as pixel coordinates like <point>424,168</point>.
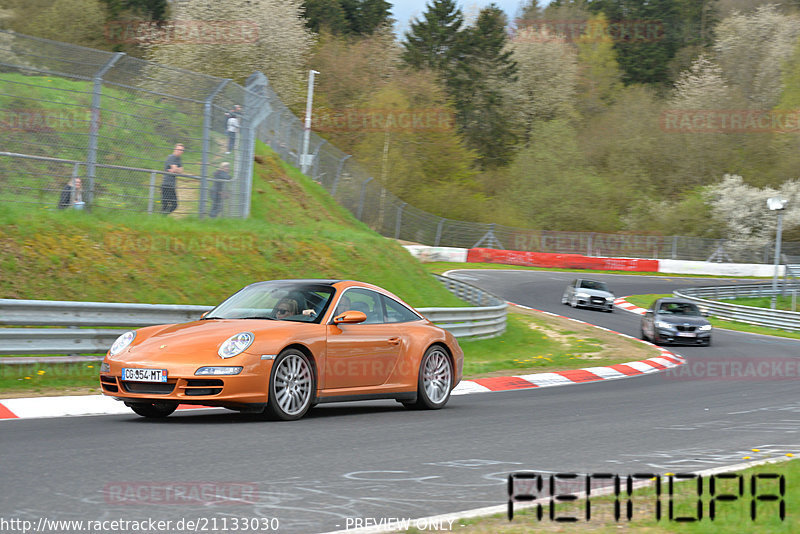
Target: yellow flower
<point>27,378</point>
<point>40,372</point>
<point>90,366</point>
<point>756,450</point>
<point>747,458</point>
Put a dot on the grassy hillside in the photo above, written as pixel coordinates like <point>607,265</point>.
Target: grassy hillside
<point>296,230</point>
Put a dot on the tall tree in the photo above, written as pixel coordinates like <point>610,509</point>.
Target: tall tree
<point>547,75</point>
<point>599,76</point>
<point>325,15</point>
<point>478,82</point>
<point>650,35</point>
<point>347,17</point>
<point>433,41</point>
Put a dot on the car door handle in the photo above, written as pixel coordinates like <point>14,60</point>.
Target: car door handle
<point>394,340</point>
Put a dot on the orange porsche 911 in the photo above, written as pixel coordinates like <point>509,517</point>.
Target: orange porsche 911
<point>283,346</point>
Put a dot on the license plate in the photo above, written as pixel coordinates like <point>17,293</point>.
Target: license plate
<point>145,375</point>
<point>686,334</point>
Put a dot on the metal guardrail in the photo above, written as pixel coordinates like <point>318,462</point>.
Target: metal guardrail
<point>83,317</point>
<point>785,320</point>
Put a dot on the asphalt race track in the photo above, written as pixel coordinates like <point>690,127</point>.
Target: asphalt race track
<point>379,460</point>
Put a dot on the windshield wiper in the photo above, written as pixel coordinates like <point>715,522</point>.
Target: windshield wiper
<point>256,317</point>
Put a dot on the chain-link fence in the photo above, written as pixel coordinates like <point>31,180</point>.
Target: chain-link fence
<point>107,122</point>
<point>112,121</point>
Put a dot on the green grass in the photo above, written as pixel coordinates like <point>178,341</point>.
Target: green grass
<point>644,301</point>
<point>535,343</point>
<point>42,378</point>
<point>781,302</point>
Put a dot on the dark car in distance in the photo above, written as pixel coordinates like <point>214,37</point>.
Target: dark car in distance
<point>588,293</point>
<point>674,320</point>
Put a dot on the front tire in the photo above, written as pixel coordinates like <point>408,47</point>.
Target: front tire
<point>291,386</point>
<point>435,379</point>
<point>155,410</point>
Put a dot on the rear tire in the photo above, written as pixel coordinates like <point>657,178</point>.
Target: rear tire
<point>435,379</point>
<point>292,387</point>
<point>155,410</point>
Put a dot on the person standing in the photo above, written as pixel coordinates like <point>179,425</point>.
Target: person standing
<point>233,129</point>
<point>173,165</point>
<point>218,193</point>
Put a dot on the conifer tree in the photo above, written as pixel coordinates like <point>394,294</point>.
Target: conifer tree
<point>432,42</point>
<point>481,73</point>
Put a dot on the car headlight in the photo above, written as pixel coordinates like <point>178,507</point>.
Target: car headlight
<point>122,343</point>
<point>705,328</point>
<point>216,371</point>
<point>582,295</point>
<point>235,344</point>
<point>662,324</point>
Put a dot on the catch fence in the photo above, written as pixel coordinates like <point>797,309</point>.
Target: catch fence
<point>120,118</point>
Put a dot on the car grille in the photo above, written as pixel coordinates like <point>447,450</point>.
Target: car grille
<point>685,328</point>
<point>109,384</point>
<point>151,388</point>
<point>598,300</point>
<point>203,386</point>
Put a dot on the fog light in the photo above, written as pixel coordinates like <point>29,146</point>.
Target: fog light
<point>105,368</point>
<point>206,371</point>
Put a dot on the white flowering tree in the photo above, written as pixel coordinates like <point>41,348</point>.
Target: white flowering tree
<point>702,87</point>
<point>265,35</point>
<point>743,211</point>
<point>547,75</point>
<point>752,49</point>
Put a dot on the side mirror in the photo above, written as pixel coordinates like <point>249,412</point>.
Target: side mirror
<point>350,317</point>
<point>204,314</point>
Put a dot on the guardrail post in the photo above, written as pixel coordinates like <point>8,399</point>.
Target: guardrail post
<point>361,200</point>
<point>399,219</point>
<point>151,194</point>
<point>94,126</point>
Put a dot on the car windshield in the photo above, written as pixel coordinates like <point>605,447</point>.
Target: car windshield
<point>283,301</point>
<point>593,284</point>
<point>679,308</point>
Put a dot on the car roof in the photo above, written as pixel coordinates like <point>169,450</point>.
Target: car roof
<point>675,299</point>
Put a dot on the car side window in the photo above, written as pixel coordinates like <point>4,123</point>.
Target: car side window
<point>397,313</point>
<point>366,301</point>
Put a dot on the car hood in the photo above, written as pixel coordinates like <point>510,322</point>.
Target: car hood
<point>682,319</point>
<point>192,342</point>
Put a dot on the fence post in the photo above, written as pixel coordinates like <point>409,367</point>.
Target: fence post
<point>363,195</point>
<point>339,173</point>
<point>674,247</point>
<point>74,193</point>
<point>399,219</point>
<point>439,232</point>
<point>315,169</point>
<point>94,127</point>
<point>589,245</point>
<point>201,206</point>
<point>151,194</point>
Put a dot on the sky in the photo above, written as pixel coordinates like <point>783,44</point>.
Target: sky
<point>403,10</point>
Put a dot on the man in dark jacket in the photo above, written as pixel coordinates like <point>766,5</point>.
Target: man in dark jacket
<point>169,196</point>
